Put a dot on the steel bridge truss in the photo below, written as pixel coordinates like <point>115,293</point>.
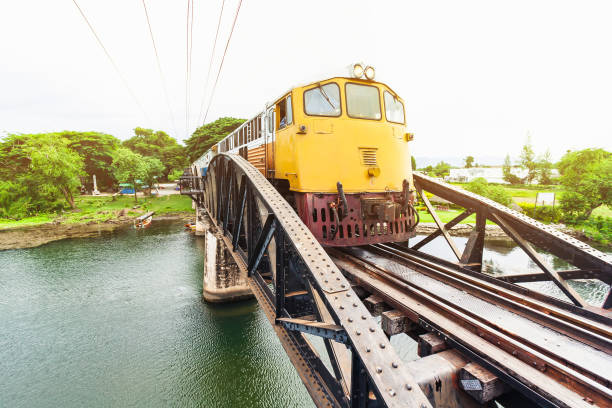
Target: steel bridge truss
<point>526,232</point>
<point>308,299</point>
<point>302,291</point>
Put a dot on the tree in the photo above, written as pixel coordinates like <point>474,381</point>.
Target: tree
<point>14,200</point>
<point>153,170</point>
<point>441,169</point>
<point>413,162</point>
<point>528,162</point>
<point>32,181</point>
<point>207,135</point>
<point>55,165</point>
<point>469,162</point>
<point>160,145</point>
<point>14,155</point>
<point>545,167</point>
<point>129,167</point>
<point>481,187</point>
<point>507,170</point>
<point>586,176</point>
<point>175,175</point>
<point>97,150</point>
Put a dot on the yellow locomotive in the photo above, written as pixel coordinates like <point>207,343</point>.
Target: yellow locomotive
<point>338,151</point>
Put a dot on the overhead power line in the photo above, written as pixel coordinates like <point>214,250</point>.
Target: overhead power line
<point>212,55</point>
<point>123,80</point>
<point>188,48</point>
<point>222,60</point>
<point>159,69</point>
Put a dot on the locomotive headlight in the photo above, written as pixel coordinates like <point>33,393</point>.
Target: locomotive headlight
<point>357,71</point>
<point>369,73</point>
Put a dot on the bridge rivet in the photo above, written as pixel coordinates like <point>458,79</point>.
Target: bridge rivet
<point>341,307</point>
<point>408,387</point>
<point>348,295</point>
<point>343,285</point>
<point>378,370</point>
<point>392,393</point>
<point>394,364</point>
<point>354,304</point>
<point>326,281</point>
<point>368,350</point>
<point>358,333</point>
<point>350,320</point>
<point>372,329</point>
<point>382,345</point>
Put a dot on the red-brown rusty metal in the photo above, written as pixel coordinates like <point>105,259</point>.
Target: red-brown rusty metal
<point>358,227</point>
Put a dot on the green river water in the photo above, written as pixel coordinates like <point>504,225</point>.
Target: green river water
<point>118,320</point>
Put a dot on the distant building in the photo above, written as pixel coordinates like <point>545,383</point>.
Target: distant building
<point>491,174</point>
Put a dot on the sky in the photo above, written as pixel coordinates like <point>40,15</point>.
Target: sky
<point>477,77</point>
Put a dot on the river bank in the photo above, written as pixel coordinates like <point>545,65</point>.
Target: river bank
<point>35,235</point>
<point>94,215</point>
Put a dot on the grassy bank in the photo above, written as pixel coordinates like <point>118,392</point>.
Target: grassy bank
<point>104,208</point>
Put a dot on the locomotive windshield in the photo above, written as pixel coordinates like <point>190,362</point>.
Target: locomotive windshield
<point>394,109</point>
<point>362,101</point>
<point>323,100</point>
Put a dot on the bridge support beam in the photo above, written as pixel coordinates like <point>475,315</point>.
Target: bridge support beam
<point>223,281</point>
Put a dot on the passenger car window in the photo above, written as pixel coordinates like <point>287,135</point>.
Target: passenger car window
<point>323,100</point>
<point>394,108</point>
<point>362,101</point>
<point>284,113</point>
<point>270,124</point>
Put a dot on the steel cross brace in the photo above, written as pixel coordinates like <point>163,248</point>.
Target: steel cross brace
<point>325,330</point>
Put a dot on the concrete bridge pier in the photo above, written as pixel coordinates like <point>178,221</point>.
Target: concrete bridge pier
<point>201,220</point>
<point>223,281</point>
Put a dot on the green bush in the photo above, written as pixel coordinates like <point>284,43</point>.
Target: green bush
<point>544,213</point>
<point>598,229</point>
<point>496,193</point>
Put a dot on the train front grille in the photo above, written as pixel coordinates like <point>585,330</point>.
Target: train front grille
<point>368,156</point>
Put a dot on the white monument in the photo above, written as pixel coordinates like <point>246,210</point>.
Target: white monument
<point>95,187</point>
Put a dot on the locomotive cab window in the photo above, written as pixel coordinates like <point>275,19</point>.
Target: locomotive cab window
<point>362,101</point>
<point>284,113</point>
<point>394,108</point>
<point>323,100</point>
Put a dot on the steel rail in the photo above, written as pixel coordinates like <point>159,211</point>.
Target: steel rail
<point>523,340</point>
<point>512,359</point>
<point>591,332</point>
<point>592,313</point>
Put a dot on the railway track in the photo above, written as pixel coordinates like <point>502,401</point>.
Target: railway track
<point>553,352</point>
